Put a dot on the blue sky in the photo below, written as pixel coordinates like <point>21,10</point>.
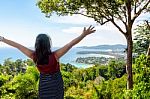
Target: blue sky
<point>22,21</point>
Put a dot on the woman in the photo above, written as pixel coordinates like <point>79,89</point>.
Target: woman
<point>47,62</point>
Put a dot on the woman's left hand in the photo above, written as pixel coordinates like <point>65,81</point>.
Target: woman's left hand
<point>88,31</point>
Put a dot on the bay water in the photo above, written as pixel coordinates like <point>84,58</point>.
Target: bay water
<point>70,57</point>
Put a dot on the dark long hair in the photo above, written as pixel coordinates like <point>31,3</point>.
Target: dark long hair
<point>42,49</point>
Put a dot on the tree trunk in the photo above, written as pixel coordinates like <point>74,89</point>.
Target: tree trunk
<point>129,61</point>
<point>148,51</point>
<point>129,46</point>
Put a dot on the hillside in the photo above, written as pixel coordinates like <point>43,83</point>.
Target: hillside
<point>106,47</point>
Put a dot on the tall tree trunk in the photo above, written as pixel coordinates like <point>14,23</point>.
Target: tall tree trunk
<point>129,46</point>
<point>129,61</point>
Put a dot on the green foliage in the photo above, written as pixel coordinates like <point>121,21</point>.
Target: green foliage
<point>102,11</point>
<point>116,69</point>
<point>22,86</point>
<point>3,79</point>
<point>67,67</point>
<point>141,39</point>
<point>93,8</point>
<point>13,68</point>
<point>111,89</point>
<point>119,86</point>
<point>33,70</point>
<point>69,80</point>
<point>29,62</point>
<point>141,78</point>
<point>142,63</point>
<point>25,86</point>
<point>97,82</point>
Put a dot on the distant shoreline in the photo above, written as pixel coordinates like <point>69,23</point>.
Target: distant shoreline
<point>105,47</point>
<point>111,53</point>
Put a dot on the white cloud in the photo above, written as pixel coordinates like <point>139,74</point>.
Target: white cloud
<point>106,34</point>
<point>74,19</point>
<point>107,27</point>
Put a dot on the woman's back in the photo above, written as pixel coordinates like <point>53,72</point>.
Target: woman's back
<point>50,68</point>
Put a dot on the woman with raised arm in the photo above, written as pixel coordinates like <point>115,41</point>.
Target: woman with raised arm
<point>51,82</point>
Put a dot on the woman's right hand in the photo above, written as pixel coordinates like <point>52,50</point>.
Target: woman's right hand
<point>1,38</point>
<point>88,31</point>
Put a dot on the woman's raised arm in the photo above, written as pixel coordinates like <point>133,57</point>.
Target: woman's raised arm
<point>60,52</point>
<point>23,49</point>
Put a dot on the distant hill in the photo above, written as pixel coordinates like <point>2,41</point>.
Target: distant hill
<point>106,47</point>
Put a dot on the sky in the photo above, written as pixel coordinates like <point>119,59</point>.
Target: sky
<point>22,21</point>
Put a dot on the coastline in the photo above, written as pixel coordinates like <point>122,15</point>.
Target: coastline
<point>70,57</point>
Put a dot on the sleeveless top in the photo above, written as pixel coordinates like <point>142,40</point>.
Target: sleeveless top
<point>50,68</point>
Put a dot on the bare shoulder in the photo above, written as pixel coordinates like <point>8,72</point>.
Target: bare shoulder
<point>55,55</point>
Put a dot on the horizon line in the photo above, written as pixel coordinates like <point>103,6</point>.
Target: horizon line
<point>73,46</point>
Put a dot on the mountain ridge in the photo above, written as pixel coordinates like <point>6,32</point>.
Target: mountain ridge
<point>105,46</point>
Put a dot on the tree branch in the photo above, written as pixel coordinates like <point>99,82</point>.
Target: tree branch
<point>135,7</point>
<point>124,12</point>
<point>119,28</point>
<point>101,22</point>
<point>107,20</point>
<point>121,19</point>
<point>140,10</point>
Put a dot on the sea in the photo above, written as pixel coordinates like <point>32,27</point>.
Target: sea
<point>70,57</point>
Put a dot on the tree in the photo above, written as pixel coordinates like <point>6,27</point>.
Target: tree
<point>142,39</point>
<point>103,11</point>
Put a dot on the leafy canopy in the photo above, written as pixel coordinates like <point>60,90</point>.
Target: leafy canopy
<point>141,39</point>
<point>102,11</point>
<point>91,8</point>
